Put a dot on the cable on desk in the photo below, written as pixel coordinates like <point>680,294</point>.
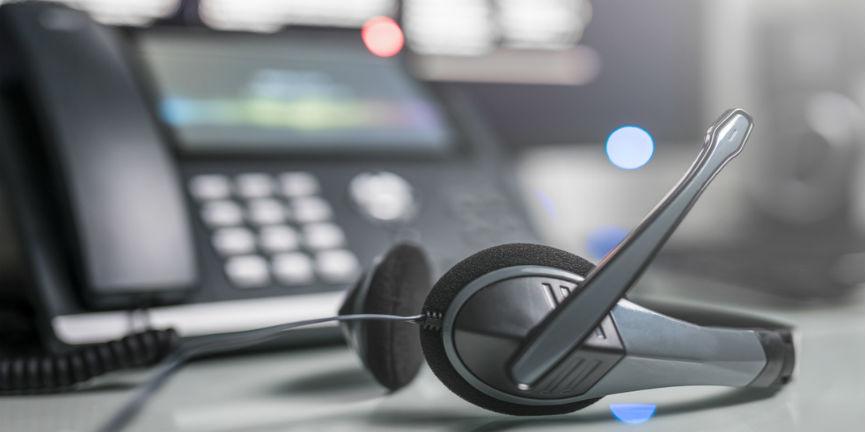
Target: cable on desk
<point>216,344</point>
<point>58,372</point>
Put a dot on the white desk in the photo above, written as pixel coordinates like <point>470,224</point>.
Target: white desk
<point>325,389</point>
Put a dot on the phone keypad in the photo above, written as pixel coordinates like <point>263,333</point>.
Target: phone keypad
<point>273,229</point>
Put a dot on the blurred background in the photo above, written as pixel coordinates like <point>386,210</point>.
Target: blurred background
<point>219,165</point>
<point>595,109</point>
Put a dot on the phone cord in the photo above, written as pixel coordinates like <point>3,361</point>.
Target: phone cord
<point>63,371</point>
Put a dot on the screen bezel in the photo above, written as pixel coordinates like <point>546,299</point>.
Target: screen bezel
<point>458,147</point>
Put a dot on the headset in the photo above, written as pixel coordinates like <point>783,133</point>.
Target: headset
<point>520,329</point>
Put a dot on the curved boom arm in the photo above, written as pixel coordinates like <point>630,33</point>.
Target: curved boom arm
<point>567,326</point>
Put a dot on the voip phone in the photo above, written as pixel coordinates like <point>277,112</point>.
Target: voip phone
<point>219,181</point>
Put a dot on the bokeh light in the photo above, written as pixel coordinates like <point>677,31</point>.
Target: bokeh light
<point>382,36</point>
<point>603,240</point>
<point>632,413</point>
<point>630,147</point>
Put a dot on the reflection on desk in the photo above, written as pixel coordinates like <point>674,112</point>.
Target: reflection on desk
<point>325,389</point>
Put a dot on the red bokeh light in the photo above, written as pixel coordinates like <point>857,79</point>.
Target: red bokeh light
<point>382,36</point>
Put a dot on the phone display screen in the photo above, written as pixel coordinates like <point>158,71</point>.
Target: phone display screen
<point>272,93</point>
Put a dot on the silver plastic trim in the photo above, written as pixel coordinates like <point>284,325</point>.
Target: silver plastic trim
<point>453,310</point>
<point>197,319</point>
<point>665,352</point>
<point>660,351</point>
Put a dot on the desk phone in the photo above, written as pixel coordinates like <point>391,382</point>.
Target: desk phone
<point>220,181</point>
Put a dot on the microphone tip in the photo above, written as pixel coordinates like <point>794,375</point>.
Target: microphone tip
<point>730,132</point>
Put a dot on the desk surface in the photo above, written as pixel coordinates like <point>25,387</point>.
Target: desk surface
<point>325,389</point>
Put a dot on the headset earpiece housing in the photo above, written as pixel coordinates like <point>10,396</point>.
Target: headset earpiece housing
<point>480,321</point>
<point>396,284</point>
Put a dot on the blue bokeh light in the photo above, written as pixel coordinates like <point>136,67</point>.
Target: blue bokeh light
<point>633,413</point>
<point>602,240</point>
<point>547,203</point>
<point>630,147</point>
<point>176,111</point>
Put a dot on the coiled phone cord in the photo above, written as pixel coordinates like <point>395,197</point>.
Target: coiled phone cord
<point>58,372</point>
<point>220,343</point>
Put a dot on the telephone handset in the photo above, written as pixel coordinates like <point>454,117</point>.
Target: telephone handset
<point>111,176</point>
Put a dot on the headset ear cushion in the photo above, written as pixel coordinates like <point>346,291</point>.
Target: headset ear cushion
<point>473,267</point>
<point>397,285</point>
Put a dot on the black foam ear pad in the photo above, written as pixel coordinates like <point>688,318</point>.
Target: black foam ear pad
<point>454,281</point>
<point>396,285</point>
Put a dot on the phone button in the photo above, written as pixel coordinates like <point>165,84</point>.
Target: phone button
<point>319,236</point>
<point>278,238</point>
<point>296,184</point>
<point>310,209</point>
<point>383,196</point>
<point>234,241</point>
<point>265,211</point>
<point>247,271</point>
<point>254,185</point>
<point>336,265</point>
<point>293,268</point>
<point>222,213</point>
<point>210,187</point>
